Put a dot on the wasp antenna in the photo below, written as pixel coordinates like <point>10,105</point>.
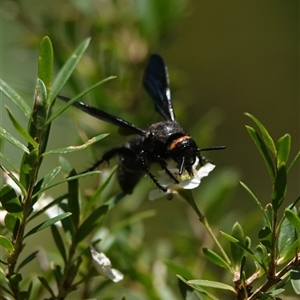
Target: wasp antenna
<point>213,148</point>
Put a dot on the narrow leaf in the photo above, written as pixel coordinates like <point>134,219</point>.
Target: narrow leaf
<point>47,223</point>
<point>237,252</point>
<point>15,97</point>
<point>74,199</point>
<point>13,140</point>
<point>263,151</point>
<point>283,149</point>
<point>20,129</point>
<point>212,284</point>
<point>280,187</point>
<point>59,242</point>
<point>90,223</point>
<point>45,64</point>
<point>216,259</point>
<point>6,243</point>
<point>77,148</point>
<point>10,200</point>
<point>293,219</point>
<point>67,69</point>
<point>295,280</point>
<point>27,260</point>
<point>255,199</point>
<point>79,96</point>
<point>47,286</point>
<point>187,292</point>
<point>265,134</point>
<point>294,161</point>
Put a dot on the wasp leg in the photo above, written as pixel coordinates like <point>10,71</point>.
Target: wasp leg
<point>163,164</point>
<point>107,156</point>
<point>145,166</point>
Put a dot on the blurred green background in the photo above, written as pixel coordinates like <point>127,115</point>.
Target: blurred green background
<point>224,58</point>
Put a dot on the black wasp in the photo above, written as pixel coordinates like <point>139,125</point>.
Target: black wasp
<point>158,143</point>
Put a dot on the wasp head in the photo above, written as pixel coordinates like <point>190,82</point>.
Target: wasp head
<point>184,152</point>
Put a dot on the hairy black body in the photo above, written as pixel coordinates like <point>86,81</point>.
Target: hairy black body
<point>158,143</point>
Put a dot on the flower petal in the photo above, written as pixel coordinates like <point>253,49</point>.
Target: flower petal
<point>103,265</point>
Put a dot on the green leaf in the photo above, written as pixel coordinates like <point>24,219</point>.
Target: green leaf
<point>45,64</point>
<point>244,247</point>
<point>293,219</point>
<point>77,148</point>
<point>47,286</point>
<point>294,161</point>
<point>27,260</point>
<point>212,284</point>
<point>187,292</point>
<point>63,181</point>
<point>262,255</point>
<point>263,151</point>
<point>67,69</point>
<point>6,243</point>
<point>283,149</point>
<point>280,187</point>
<point>286,236</point>
<point>13,140</point>
<point>256,200</point>
<point>16,98</point>
<point>59,242</point>
<point>178,269</point>
<point>44,183</point>
<point>10,200</point>
<point>199,289</point>
<point>265,134</point>
<point>47,223</point>
<point>90,223</point>
<point>74,199</point>
<point>295,280</point>
<point>10,221</point>
<point>74,99</point>
<point>289,253</point>
<point>216,259</point>
<point>15,180</point>
<point>20,129</point>
<point>237,252</point>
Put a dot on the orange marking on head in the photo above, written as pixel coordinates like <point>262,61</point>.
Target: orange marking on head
<point>179,140</point>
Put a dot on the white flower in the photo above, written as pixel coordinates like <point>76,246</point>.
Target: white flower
<point>185,180</point>
<point>103,266</point>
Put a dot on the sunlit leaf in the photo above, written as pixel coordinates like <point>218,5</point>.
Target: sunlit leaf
<point>263,151</point>
<point>47,223</point>
<point>13,140</point>
<point>216,259</point>
<point>295,280</point>
<point>212,284</point>
<point>77,97</point>
<point>45,64</point>
<point>15,97</point>
<point>265,134</point>
<point>20,129</point>
<point>77,148</point>
<point>237,252</point>
<point>283,149</point>
<point>293,219</point>
<point>67,69</point>
<point>6,243</point>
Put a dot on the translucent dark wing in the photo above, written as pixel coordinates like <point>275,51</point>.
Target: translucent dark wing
<point>106,117</point>
<point>156,83</point>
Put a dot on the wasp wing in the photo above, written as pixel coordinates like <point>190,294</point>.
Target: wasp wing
<point>156,83</point>
<point>106,117</point>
